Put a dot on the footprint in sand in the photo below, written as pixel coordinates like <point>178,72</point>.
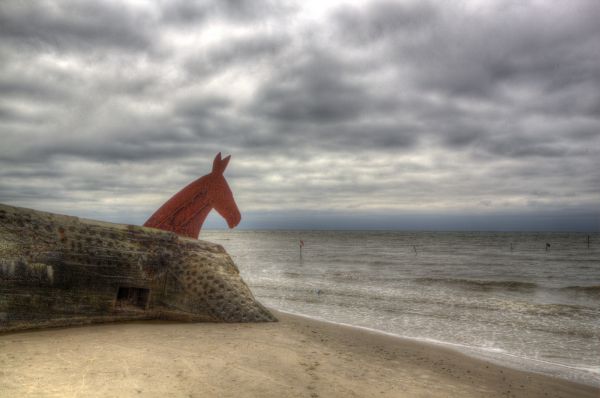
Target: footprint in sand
<point>310,369</point>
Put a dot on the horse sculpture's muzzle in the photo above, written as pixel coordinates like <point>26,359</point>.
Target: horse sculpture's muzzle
<point>234,219</point>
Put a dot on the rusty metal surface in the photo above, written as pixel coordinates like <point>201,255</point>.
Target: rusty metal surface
<point>186,211</point>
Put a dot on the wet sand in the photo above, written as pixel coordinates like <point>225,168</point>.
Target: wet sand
<point>295,357</point>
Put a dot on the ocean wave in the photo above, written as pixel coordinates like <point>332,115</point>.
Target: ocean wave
<point>477,284</point>
<point>592,290</point>
<point>379,263</point>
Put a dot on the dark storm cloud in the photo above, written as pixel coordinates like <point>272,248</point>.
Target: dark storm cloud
<point>11,116</point>
<point>76,25</point>
<point>186,12</point>
<point>197,11</point>
<point>108,108</point>
<point>519,60</point>
<point>31,90</point>
<point>383,19</point>
<point>245,51</point>
<point>311,98</point>
<point>391,135</point>
<point>313,84</point>
<point>82,26</point>
<point>543,54</point>
<point>383,135</point>
<point>462,52</point>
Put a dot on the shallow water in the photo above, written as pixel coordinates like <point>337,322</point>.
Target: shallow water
<point>503,296</point>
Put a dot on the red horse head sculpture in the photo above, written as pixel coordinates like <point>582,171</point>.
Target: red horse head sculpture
<point>185,212</point>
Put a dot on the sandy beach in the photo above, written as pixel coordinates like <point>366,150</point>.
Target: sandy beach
<point>296,357</point>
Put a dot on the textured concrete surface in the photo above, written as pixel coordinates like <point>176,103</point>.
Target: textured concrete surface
<point>59,270</point>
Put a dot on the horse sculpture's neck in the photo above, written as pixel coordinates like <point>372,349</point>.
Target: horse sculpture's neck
<point>185,212</point>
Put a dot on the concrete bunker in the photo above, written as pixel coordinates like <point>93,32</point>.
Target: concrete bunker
<point>58,270</point>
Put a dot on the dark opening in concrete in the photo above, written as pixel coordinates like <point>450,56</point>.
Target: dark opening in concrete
<point>133,296</point>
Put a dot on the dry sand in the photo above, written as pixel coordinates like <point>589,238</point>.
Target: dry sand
<point>296,357</point>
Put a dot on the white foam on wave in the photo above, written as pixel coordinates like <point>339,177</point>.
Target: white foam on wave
<point>594,372</point>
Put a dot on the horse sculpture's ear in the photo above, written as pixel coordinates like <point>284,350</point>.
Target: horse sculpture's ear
<point>216,162</point>
<point>219,164</point>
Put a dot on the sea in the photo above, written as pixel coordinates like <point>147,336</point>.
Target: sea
<point>530,301</point>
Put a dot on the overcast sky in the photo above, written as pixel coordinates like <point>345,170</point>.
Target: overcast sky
<point>382,114</point>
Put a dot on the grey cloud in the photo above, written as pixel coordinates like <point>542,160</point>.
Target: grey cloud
<point>515,51</point>
<point>518,61</point>
<point>402,106</point>
<point>246,51</point>
<point>509,148</point>
<point>382,135</point>
<point>251,9</point>
<point>32,90</point>
<point>382,19</point>
<point>185,12</point>
<point>200,105</point>
<point>315,88</point>
<point>322,101</point>
<point>466,53</point>
<point>76,25</point>
<point>10,115</point>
